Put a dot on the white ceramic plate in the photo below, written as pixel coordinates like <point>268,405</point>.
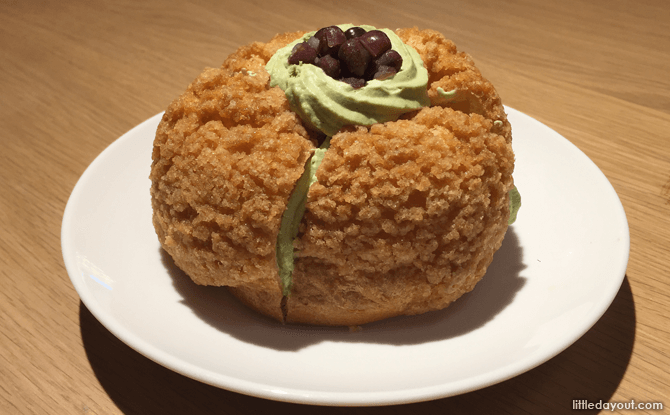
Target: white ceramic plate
<point>559,268</point>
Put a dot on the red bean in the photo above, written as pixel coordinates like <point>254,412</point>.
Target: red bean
<point>330,39</point>
<point>302,52</point>
<point>330,66</point>
<point>355,57</point>
<point>376,42</point>
<point>353,32</point>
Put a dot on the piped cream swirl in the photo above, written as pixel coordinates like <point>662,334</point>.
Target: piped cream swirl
<point>327,104</point>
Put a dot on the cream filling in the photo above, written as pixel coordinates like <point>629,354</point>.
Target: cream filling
<point>290,221</point>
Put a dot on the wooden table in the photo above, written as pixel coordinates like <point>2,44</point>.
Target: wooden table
<point>76,75</point>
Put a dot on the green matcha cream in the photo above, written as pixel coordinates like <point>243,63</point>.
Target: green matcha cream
<point>328,104</point>
<point>514,204</point>
<point>290,221</point>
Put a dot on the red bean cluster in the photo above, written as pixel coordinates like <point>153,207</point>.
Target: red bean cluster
<point>354,56</point>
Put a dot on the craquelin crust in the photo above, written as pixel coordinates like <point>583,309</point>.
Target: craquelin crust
<point>405,216</point>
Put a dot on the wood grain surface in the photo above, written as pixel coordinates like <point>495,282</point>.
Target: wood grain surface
<point>75,75</point>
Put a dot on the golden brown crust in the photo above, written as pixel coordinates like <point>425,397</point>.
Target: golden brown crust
<point>405,216</point>
<point>450,69</point>
<point>266,299</point>
<point>226,157</point>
